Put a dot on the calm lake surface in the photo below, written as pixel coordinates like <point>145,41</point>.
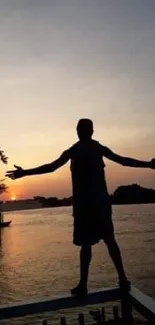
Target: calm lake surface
<point>37,257</point>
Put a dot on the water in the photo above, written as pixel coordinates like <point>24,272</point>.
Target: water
<point>37,257</point>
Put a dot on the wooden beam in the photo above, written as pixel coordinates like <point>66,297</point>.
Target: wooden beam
<point>57,303</point>
<point>143,304</point>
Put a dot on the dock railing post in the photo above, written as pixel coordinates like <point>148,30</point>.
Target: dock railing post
<point>81,319</point>
<point>116,314</point>
<point>126,308</point>
<point>63,321</point>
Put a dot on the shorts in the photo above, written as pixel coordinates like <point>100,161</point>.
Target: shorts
<point>90,229</point>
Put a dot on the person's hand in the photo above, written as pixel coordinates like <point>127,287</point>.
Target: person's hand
<point>152,163</point>
<point>17,173</point>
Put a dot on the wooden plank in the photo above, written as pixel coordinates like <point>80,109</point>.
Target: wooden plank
<point>57,303</point>
<point>143,304</point>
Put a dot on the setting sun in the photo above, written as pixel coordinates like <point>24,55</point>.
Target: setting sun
<point>13,198</point>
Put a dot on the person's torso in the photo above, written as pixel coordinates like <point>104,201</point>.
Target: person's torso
<point>87,168</point>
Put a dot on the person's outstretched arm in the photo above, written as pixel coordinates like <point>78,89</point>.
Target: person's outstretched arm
<point>125,161</point>
<point>48,168</point>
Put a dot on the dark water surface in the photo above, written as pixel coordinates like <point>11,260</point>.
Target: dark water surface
<point>37,257</point>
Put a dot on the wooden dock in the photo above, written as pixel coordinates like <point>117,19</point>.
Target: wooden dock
<point>134,299</point>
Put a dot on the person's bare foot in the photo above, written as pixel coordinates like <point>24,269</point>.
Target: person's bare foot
<point>79,290</point>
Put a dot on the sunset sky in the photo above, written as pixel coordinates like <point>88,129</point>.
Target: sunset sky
<point>61,60</point>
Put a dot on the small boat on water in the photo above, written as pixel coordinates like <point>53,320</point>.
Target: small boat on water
<point>5,224</point>
<point>2,222</point>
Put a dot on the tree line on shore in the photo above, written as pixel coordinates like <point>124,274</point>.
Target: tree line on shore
<point>124,194</point>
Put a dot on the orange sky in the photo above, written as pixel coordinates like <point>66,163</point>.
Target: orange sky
<point>63,60</point>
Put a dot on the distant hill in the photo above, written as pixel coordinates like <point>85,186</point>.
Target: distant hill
<point>133,194</point>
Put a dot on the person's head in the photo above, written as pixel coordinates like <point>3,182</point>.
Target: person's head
<point>85,129</point>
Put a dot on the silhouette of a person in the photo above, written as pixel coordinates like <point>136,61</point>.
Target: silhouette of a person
<point>91,202</point>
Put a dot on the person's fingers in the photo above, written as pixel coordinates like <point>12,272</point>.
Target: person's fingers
<point>18,167</point>
<point>10,174</point>
<point>13,174</point>
<point>12,177</point>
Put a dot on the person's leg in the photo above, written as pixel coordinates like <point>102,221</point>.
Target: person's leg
<point>115,254</point>
<point>85,258</point>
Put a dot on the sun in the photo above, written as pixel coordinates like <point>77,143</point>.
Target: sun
<point>13,197</point>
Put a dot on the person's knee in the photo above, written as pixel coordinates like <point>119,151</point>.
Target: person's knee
<point>111,242</point>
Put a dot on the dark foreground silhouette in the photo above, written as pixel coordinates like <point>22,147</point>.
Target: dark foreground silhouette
<point>91,202</point>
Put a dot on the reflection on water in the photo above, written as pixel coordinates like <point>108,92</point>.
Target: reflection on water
<point>37,257</point>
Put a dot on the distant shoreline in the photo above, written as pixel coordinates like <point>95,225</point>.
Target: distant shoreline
<point>123,195</point>
<point>63,206</point>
